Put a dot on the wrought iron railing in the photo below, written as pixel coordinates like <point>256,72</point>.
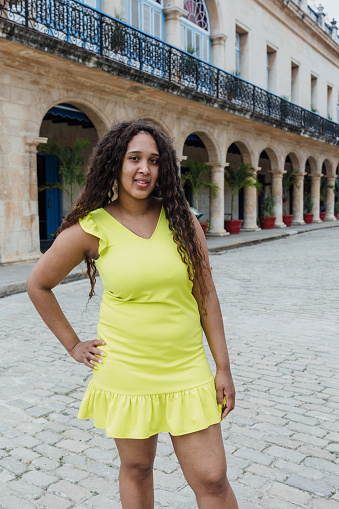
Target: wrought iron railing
<point>78,24</point>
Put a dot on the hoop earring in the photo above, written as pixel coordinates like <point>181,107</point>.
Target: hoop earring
<point>115,190</point>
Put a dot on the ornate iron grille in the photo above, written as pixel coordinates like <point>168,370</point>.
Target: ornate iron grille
<point>83,26</point>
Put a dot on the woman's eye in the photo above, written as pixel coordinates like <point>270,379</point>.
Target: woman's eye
<point>155,161</point>
<point>134,158</point>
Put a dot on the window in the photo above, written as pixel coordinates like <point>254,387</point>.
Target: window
<point>271,55</point>
<point>241,53</point>
<point>195,29</point>
<point>314,93</point>
<point>237,54</point>
<point>295,82</point>
<point>96,4</point>
<point>329,102</point>
<point>146,15</point>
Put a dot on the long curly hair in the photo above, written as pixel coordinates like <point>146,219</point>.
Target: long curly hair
<point>104,169</point>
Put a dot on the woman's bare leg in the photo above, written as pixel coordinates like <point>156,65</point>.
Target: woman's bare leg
<point>203,462</point>
<point>136,472</point>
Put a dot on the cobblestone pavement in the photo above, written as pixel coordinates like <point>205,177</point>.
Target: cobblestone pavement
<point>280,307</point>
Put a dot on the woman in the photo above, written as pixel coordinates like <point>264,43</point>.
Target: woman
<point>150,373</point>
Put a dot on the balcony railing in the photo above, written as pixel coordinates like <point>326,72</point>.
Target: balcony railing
<point>80,25</point>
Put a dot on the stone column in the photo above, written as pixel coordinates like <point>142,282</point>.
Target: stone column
<point>298,199</point>
<point>31,147</point>
<point>330,200</point>
<point>217,204</point>
<point>180,158</point>
<point>315,192</point>
<point>173,11</point>
<point>218,42</point>
<point>277,193</point>
<point>250,208</point>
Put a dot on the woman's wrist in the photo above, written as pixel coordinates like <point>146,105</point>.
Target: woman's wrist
<point>75,344</point>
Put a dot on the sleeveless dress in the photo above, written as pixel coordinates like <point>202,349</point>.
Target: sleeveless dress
<point>155,376</point>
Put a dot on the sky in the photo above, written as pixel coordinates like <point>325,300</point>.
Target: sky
<point>331,7</point>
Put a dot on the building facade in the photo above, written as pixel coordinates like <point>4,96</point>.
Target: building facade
<point>252,81</point>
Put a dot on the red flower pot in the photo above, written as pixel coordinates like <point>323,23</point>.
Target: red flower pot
<point>267,223</point>
<point>288,219</point>
<point>308,218</point>
<point>204,226</point>
<point>336,214</point>
<point>322,215</point>
<point>232,225</point>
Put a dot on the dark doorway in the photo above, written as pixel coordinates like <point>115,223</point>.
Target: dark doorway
<point>49,199</point>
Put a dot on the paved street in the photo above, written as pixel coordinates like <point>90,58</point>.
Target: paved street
<point>280,308</point>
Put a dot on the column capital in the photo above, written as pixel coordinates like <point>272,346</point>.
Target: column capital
<point>316,177</point>
<point>300,175</point>
<point>216,167</point>
<point>218,39</point>
<point>277,174</point>
<point>181,158</point>
<point>174,13</point>
<point>32,142</point>
<point>331,180</point>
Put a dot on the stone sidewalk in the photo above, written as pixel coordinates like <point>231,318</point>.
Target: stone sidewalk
<point>13,276</point>
<point>280,307</point>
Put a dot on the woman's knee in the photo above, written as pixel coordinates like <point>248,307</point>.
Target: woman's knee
<point>138,471</point>
<point>212,482</point>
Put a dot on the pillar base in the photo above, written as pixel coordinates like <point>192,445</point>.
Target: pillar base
<point>279,225</point>
<point>317,221</point>
<point>330,218</point>
<point>217,233</point>
<point>298,223</point>
<point>256,229</point>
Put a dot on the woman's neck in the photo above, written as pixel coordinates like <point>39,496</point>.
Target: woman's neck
<point>129,206</point>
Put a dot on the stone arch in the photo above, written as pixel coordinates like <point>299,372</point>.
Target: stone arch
<point>295,161</point>
<point>215,15</point>
<point>273,158</point>
<point>99,120</point>
<point>207,139</point>
<point>245,150</point>
<point>311,166</point>
<point>327,168</point>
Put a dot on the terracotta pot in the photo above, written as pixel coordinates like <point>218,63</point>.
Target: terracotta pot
<point>204,226</point>
<point>322,215</point>
<point>232,226</point>
<point>336,214</point>
<point>288,219</point>
<point>267,223</point>
<point>308,218</point>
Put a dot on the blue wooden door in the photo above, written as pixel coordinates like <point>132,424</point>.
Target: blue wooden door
<point>53,195</point>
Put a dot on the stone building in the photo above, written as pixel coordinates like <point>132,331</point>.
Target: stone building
<point>252,81</point>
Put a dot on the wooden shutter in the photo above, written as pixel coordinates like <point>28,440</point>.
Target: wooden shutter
<point>197,45</point>
<point>189,39</point>
<point>205,49</point>
<point>157,24</point>
<point>135,13</point>
<point>146,19</point>
<point>124,10</point>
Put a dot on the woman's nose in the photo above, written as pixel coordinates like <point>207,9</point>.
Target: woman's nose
<point>143,167</point>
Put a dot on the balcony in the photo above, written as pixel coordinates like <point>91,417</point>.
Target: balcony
<point>84,27</point>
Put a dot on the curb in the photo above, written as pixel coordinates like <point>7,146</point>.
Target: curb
<point>20,286</point>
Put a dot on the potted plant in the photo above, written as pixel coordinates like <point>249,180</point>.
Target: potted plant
<point>336,210</point>
<point>308,208</point>
<point>194,176</point>
<point>287,180</point>
<point>245,176</point>
<point>267,218</point>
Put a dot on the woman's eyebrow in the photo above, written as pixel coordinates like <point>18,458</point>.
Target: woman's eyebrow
<point>139,152</point>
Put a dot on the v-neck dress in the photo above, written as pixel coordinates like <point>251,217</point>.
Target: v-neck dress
<point>155,376</point>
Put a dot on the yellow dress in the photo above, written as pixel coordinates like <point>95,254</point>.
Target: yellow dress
<point>155,376</point>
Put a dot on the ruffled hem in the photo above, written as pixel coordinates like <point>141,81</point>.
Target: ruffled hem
<point>88,224</point>
<point>141,417</point>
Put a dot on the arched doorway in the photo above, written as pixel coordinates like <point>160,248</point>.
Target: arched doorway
<point>235,159</point>
<point>64,123</point>
<point>195,150</point>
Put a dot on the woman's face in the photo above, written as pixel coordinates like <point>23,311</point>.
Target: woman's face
<point>140,167</point>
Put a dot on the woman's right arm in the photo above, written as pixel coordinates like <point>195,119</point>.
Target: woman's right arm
<point>67,251</point>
